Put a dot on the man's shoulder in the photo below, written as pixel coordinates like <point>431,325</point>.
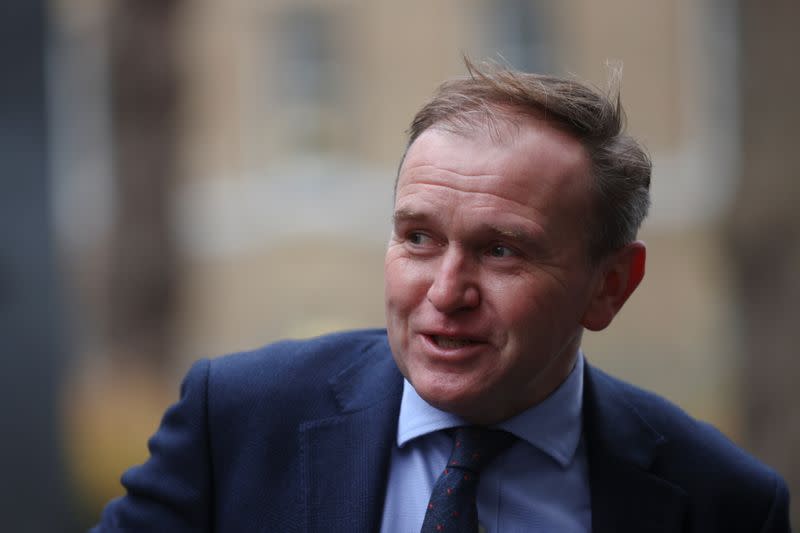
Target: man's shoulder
<point>289,374</point>
<point>690,453</point>
<point>319,354</point>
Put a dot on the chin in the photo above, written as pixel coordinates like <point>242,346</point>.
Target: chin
<point>451,397</point>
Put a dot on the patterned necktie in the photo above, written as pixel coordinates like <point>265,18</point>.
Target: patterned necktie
<point>452,504</point>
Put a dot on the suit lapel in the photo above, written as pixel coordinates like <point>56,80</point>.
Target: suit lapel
<point>626,496</point>
<point>346,457</point>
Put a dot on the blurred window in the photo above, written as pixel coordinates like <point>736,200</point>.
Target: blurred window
<point>311,79</point>
<point>79,122</point>
<point>517,30</point>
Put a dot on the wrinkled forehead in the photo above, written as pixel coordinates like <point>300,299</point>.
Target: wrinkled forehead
<point>525,141</point>
<point>501,125</point>
<point>504,125</point>
<point>499,122</point>
<point>533,158</point>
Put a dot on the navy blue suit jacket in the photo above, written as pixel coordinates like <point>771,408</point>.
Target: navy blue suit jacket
<point>297,437</point>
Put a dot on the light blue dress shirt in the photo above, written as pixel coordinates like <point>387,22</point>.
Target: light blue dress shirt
<point>540,484</point>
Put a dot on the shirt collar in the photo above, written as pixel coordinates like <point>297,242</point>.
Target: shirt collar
<point>553,426</point>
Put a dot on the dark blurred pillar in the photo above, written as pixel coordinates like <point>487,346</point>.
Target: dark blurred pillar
<point>32,483</point>
<point>765,233</point>
<point>145,112</point>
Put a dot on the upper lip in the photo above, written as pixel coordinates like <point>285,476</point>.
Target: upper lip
<point>454,334</point>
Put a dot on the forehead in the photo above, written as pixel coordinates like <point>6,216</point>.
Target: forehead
<point>529,161</point>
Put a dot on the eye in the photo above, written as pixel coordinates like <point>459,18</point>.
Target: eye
<point>417,238</point>
<point>501,251</point>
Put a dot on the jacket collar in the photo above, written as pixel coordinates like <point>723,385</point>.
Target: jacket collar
<point>622,447</point>
<point>346,457</point>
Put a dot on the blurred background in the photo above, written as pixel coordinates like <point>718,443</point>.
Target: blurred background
<point>188,178</point>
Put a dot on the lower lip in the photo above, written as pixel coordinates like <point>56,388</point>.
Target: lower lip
<point>454,354</point>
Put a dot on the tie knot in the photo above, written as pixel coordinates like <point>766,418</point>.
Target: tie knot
<point>474,447</point>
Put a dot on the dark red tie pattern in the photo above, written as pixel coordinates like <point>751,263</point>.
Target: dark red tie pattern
<point>452,505</point>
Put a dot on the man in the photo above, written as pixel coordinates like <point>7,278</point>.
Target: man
<point>516,211</point>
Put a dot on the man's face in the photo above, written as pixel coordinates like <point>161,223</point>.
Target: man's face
<point>487,272</point>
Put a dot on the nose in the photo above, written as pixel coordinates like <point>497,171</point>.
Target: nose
<point>454,287</point>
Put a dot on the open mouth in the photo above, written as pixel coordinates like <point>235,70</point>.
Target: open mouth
<point>451,342</point>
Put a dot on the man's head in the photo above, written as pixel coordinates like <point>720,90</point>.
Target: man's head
<point>490,98</point>
<point>516,209</point>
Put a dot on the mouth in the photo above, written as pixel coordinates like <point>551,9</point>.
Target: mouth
<point>451,343</point>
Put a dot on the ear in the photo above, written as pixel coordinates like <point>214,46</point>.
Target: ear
<point>620,275</point>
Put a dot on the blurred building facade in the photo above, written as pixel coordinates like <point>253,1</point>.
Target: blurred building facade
<point>290,132</point>
<point>295,113</point>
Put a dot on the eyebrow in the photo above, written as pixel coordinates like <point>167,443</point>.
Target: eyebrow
<point>407,215</point>
<point>515,233</point>
<point>511,233</point>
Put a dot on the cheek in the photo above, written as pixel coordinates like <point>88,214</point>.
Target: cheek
<point>403,288</point>
<point>398,306</point>
<point>392,286</point>
<point>528,312</point>
<point>541,321</point>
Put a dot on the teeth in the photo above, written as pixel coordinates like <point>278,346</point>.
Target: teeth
<point>450,342</point>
